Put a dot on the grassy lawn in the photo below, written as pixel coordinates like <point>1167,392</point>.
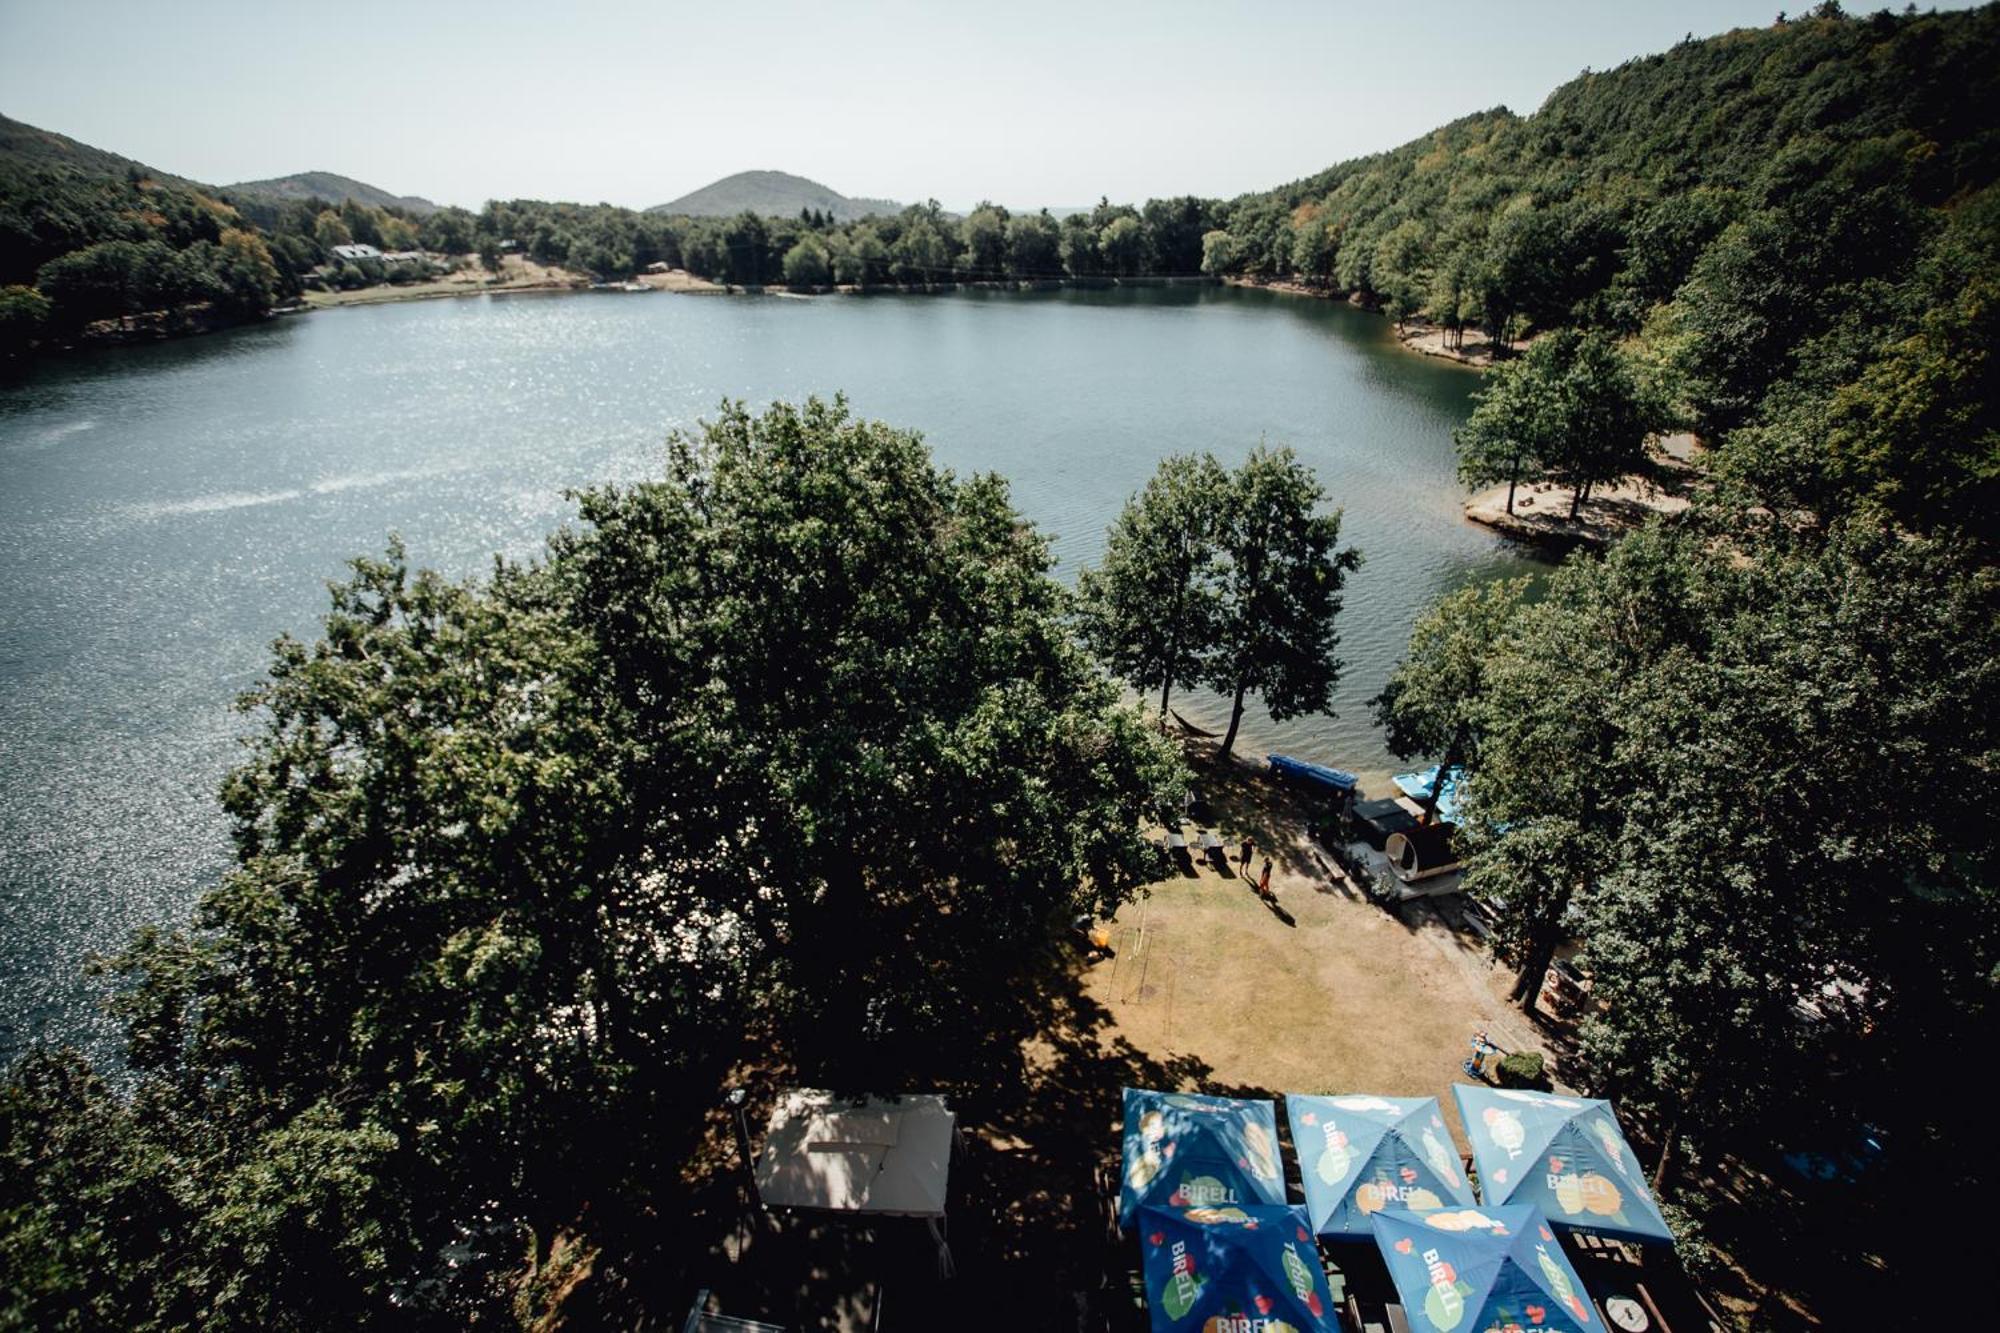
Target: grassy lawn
<point>1325,993</point>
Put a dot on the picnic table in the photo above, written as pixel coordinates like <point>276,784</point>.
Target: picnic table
<point>1209,842</point>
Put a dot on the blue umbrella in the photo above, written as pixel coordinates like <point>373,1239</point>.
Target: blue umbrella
<point>1248,1268</point>
<point>1565,1155</point>
<point>1483,1269</point>
<point>1360,1154</point>
<point>1183,1150</point>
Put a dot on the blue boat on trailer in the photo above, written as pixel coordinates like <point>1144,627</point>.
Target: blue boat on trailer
<point>1334,782</point>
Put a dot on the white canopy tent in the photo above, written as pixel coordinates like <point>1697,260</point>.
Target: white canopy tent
<point>886,1157</point>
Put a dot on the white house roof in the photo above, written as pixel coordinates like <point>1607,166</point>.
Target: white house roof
<point>356,252</point>
<point>871,1155</point>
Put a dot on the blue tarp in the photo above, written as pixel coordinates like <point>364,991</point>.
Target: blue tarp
<point>1182,1150</point>
<point>1337,781</point>
<point>1252,1268</point>
<point>1485,1268</point>
<point>1418,786</point>
<point>1565,1155</point>
<point>1360,1154</point>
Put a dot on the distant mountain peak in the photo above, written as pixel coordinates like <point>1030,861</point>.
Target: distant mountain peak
<point>772,194</point>
<point>332,187</point>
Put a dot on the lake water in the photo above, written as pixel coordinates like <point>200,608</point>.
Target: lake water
<point>165,512</point>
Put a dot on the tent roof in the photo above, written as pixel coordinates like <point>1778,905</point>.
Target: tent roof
<point>1234,1268</point>
<point>1184,1149</point>
<point>857,1155</point>
<point>1565,1155</point>
<point>1359,1154</point>
<point>1501,1265</point>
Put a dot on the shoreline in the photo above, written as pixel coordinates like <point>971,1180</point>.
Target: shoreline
<point>516,274</point>
<point>162,326</point>
<point>1475,352</point>
<point>1541,509</point>
<point>968,285</point>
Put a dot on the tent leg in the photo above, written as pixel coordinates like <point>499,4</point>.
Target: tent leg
<point>946,1268</point>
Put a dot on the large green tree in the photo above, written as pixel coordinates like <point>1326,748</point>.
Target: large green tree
<point>1034,246</point>
<point>1573,408</point>
<point>808,265</point>
<point>1151,609</point>
<point>983,235</point>
<point>1281,590</point>
<point>1918,432</point>
<point>1734,770</point>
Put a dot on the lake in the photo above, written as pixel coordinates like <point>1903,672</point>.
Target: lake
<point>166,511</point>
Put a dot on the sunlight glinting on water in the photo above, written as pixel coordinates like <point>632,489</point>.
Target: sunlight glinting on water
<point>167,511</point>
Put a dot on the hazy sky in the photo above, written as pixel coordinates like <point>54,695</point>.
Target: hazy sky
<point>1026,102</point>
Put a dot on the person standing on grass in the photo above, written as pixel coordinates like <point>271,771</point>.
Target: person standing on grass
<point>1249,850</point>
<point>1264,880</point>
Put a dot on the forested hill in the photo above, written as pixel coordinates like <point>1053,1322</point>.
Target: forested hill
<point>94,244</point>
<point>88,236</point>
<point>1598,205</point>
<point>772,194</point>
<point>1623,175</point>
<point>335,189</point>
<point>26,147</point>
<point>1789,221</point>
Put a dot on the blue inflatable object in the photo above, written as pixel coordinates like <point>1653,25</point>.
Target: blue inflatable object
<point>1417,786</point>
<point>1565,1155</point>
<point>1334,780</point>
<point>1360,1154</point>
<point>1182,1150</point>
<point>1475,1269</point>
<point>1233,1268</point>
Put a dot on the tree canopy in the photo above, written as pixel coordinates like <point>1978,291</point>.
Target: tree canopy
<point>1281,591</point>
<point>789,745</point>
<point>1230,579</point>
<point>1573,409</point>
<point>1736,771</point>
<point>1150,609</point>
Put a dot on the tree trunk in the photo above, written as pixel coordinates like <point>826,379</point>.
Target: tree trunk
<point>1575,501</point>
<point>1235,718</point>
<point>1543,936</point>
<point>1513,476</point>
<point>1666,1153</point>
<point>1527,990</point>
<point>1445,765</point>
<point>1174,642</point>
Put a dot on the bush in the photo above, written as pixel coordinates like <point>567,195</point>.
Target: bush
<point>23,312</point>
<point>1522,1069</point>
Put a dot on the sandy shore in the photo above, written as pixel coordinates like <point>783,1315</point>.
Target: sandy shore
<point>517,274</point>
<point>680,280</point>
<point>1473,350</point>
<point>1541,511</point>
